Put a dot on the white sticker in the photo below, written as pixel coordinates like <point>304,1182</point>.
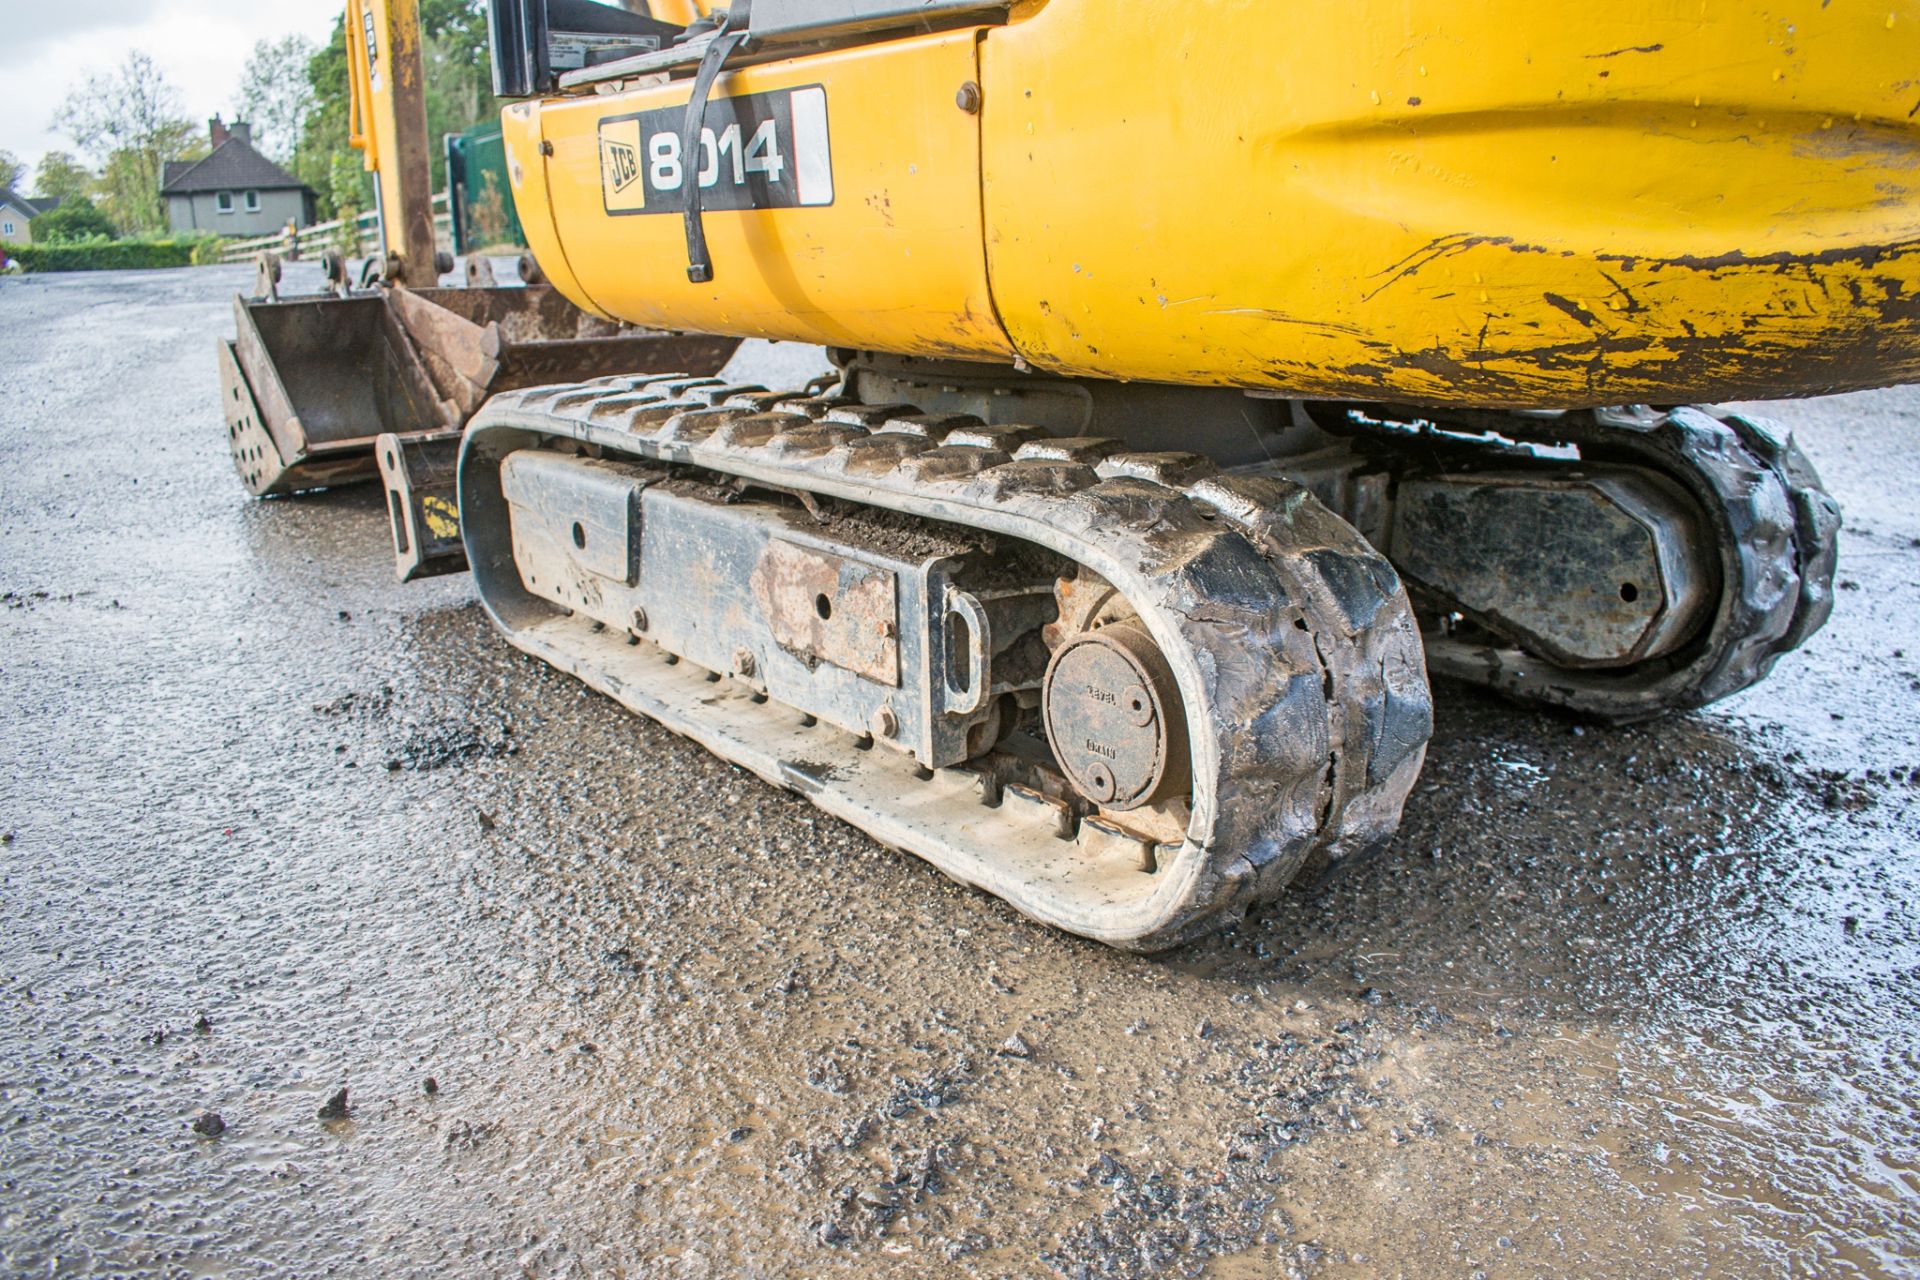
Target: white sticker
<point>812,160</point>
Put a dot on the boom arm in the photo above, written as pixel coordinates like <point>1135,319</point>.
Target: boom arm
<point>387,106</point>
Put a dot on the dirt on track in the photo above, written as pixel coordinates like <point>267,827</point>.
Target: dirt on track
<point>1629,1002</point>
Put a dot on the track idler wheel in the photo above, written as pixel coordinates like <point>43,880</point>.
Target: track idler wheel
<point>1113,718</point>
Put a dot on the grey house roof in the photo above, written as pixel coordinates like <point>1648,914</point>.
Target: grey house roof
<point>232,165</point>
<point>33,208</point>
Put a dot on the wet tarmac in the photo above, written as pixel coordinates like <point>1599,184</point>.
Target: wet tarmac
<point>1629,1003</point>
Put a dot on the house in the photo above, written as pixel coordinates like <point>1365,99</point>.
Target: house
<point>234,191</point>
<point>16,212</point>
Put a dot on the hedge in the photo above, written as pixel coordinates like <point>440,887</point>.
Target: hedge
<point>103,255</point>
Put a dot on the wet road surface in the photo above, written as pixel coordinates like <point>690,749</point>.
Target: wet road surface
<point>1637,1002</point>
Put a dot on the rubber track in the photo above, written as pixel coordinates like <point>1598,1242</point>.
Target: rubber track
<point>1299,662</point>
<point>1776,530</point>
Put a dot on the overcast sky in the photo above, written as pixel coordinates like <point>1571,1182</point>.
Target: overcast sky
<point>48,46</point>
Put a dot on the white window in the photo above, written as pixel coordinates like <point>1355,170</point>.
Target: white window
<point>223,202</point>
<point>6,228</point>
<point>253,202</point>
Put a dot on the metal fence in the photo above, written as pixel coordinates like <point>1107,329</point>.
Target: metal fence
<point>355,237</point>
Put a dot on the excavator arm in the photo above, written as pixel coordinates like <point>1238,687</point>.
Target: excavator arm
<point>387,124</point>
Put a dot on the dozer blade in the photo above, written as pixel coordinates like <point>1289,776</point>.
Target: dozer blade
<point>309,384</point>
<point>476,342</point>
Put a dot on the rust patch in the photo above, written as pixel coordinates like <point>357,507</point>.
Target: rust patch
<point>1836,320</point>
<point>828,608</point>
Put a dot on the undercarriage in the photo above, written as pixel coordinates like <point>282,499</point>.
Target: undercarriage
<point>1132,658</point>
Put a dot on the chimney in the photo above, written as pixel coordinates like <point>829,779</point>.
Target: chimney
<point>216,131</point>
<point>242,130</point>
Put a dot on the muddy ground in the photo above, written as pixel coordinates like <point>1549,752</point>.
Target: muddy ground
<point>1634,1003</point>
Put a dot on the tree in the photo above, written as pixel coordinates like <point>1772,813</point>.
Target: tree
<point>75,219</point>
<point>322,153</point>
<point>459,78</point>
<point>12,172</point>
<point>130,183</point>
<point>130,121</point>
<point>459,92</point>
<point>61,177</point>
<point>348,192</point>
<point>275,94</point>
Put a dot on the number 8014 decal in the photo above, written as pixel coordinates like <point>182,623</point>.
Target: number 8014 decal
<point>756,151</point>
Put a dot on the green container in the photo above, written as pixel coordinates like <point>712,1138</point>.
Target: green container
<point>479,200</point>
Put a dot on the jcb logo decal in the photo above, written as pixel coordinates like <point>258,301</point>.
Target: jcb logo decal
<point>623,166</point>
<point>620,183</point>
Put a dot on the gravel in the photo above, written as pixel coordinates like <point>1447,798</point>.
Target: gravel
<point>1631,1002</point>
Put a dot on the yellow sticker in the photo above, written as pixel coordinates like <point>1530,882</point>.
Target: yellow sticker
<point>442,517</point>
<point>621,186</point>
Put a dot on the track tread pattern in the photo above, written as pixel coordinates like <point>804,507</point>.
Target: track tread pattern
<point>1775,526</point>
<point>1301,647</point>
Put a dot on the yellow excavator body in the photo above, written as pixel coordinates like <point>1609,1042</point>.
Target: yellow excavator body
<point>1206,374</point>
<point>1494,205</point>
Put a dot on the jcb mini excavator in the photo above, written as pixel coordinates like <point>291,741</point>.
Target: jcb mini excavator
<point>1208,373</point>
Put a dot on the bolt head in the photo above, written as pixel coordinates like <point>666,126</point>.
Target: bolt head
<point>639,619</point>
<point>743,662</point>
<point>884,723</point>
<point>1100,782</point>
<point>968,98</point>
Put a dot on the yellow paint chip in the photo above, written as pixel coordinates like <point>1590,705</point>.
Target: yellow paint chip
<point>442,517</point>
